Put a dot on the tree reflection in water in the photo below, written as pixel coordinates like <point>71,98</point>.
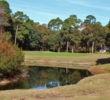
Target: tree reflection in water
<point>48,77</point>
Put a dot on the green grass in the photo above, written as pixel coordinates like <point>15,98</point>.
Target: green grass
<point>62,59</point>
<point>52,54</point>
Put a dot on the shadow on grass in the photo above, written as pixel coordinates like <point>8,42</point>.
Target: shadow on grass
<point>103,61</point>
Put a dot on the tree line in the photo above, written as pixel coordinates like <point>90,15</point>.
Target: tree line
<point>70,35</point>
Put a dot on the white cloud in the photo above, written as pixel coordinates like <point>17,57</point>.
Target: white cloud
<point>86,3</point>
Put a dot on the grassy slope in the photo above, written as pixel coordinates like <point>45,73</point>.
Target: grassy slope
<point>92,88</point>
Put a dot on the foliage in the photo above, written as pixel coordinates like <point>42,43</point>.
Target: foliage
<point>70,34</point>
<point>69,24</point>
<point>55,41</point>
<point>55,24</point>
<point>11,58</point>
<point>20,29</point>
<point>5,16</point>
<point>44,31</point>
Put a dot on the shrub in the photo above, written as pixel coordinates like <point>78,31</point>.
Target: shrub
<point>11,58</point>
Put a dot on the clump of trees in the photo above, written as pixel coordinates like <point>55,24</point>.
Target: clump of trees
<point>11,56</point>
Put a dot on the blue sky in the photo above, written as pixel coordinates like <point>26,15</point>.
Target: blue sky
<point>43,11</point>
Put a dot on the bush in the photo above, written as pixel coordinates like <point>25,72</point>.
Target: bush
<point>11,58</point>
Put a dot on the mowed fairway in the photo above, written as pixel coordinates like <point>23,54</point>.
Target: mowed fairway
<point>72,60</point>
<point>36,54</point>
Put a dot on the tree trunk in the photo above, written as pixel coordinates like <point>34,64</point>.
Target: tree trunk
<point>59,49</point>
<point>16,34</point>
<point>93,47</point>
<point>72,49</point>
<point>87,48</point>
<point>101,46</point>
<point>67,45</point>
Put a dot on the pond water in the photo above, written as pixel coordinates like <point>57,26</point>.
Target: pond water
<point>47,77</point>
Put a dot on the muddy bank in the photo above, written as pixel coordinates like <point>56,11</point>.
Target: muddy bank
<point>5,81</point>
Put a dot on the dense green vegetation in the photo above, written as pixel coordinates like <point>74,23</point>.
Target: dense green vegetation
<point>70,35</point>
<point>11,58</point>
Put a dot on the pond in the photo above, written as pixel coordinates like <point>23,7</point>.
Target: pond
<point>47,77</point>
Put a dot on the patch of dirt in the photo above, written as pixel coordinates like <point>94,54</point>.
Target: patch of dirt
<point>97,70</point>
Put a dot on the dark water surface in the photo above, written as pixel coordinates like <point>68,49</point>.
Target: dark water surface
<point>47,77</point>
